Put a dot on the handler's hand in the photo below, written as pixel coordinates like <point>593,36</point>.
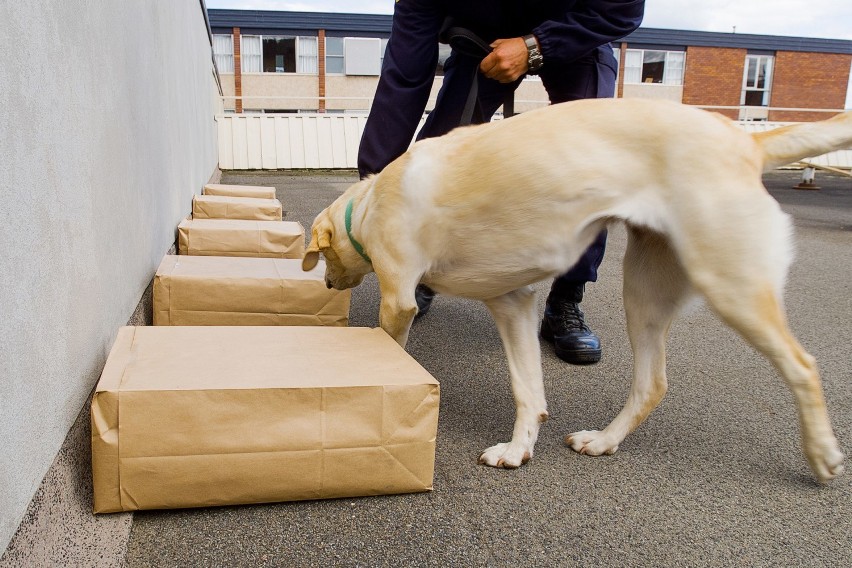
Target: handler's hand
<point>507,62</point>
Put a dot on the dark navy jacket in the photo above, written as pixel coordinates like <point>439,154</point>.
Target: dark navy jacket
<point>567,30</point>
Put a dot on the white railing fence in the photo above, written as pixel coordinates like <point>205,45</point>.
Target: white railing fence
<point>272,142</point>
<point>329,141</point>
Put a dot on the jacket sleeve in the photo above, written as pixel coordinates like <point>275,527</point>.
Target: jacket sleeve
<point>586,26</point>
<point>408,72</point>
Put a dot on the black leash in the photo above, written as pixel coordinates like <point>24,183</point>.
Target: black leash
<point>468,43</point>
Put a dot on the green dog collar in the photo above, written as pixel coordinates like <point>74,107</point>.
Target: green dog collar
<point>355,244</point>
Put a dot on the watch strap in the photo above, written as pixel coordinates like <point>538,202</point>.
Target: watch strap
<point>534,57</point>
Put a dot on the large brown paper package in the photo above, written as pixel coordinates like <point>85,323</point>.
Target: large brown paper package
<point>238,237</point>
<point>258,191</point>
<point>225,207</point>
<point>201,416</point>
<point>214,290</point>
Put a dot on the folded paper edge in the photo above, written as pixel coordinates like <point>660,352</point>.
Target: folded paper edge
<point>106,482</point>
<point>162,290</point>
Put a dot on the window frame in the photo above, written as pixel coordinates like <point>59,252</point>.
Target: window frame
<point>767,79</point>
<point>229,56</point>
<point>669,63</point>
<point>336,57</point>
<point>244,58</point>
<point>296,58</point>
<point>383,43</point>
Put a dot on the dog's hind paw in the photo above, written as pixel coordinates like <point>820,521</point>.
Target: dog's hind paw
<point>591,443</point>
<point>506,455</point>
<point>827,463</point>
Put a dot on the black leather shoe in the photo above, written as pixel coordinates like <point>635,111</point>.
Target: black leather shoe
<point>423,295</point>
<point>563,325</point>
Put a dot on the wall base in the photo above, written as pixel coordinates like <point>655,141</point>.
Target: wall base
<point>59,528</point>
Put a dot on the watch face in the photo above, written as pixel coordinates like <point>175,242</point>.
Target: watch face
<point>535,60</point>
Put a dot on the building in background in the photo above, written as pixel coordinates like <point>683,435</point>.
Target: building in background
<point>292,62</point>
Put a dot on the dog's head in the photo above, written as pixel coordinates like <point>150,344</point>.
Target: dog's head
<point>344,266</point>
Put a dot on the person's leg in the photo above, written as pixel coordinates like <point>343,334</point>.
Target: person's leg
<point>458,75</point>
<point>459,72</point>
<point>563,322</point>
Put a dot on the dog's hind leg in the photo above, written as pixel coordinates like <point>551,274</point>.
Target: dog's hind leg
<point>655,286</point>
<point>751,304</point>
<point>517,321</point>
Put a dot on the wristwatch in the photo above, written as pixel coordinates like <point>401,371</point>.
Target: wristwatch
<point>534,57</point>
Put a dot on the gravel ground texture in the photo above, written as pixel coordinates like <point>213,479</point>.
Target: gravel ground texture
<point>714,477</point>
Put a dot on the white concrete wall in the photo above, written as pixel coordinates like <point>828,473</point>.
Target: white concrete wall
<point>653,91</point>
<point>106,131</point>
<point>283,90</point>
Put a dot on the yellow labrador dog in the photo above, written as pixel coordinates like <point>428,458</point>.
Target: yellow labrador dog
<point>459,213</point>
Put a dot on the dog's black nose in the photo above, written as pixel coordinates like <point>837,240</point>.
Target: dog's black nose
<point>328,284</point>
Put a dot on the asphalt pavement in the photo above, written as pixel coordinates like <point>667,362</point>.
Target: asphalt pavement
<point>714,477</point>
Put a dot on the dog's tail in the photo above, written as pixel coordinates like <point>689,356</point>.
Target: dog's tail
<point>788,144</point>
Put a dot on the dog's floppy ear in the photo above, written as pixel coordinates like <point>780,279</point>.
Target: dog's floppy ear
<point>320,240</point>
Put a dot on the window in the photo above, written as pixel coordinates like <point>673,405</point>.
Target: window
<point>362,55</point>
<point>334,55</point>
<point>673,74</point>
<point>308,55</point>
<point>354,56</point>
<point>251,54</point>
<point>279,54</point>
<point>757,80</point>
<point>650,66</point>
<point>223,52</point>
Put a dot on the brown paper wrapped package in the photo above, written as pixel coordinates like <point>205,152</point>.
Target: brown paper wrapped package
<point>257,191</point>
<point>238,237</point>
<point>201,416</point>
<point>214,290</point>
<point>224,207</point>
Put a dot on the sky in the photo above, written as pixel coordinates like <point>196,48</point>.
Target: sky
<point>797,18</point>
<point>801,18</point>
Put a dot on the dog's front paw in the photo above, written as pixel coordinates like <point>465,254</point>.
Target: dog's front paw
<point>508,455</point>
<point>591,443</point>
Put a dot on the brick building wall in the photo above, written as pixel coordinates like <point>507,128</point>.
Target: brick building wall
<point>808,80</point>
<point>714,76</point>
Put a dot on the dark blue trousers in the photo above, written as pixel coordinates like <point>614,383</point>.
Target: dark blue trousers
<point>593,76</point>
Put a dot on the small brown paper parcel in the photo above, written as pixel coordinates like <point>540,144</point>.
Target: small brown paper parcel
<point>204,416</point>
<point>219,290</point>
<point>224,207</point>
<point>239,237</point>
<point>257,191</point>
